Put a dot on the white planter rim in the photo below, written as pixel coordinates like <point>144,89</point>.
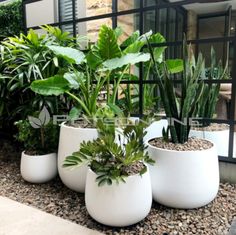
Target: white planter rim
<point>41,156</point>
<point>211,131</point>
<point>63,124</point>
<point>175,151</point>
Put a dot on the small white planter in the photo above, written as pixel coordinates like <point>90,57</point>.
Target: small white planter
<point>38,169</point>
<point>219,138</point>
<point>69,142</point>
<point>184,179</point>
<point>120,204</point>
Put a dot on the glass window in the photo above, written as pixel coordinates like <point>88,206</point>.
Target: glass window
<point>211,27</point>
<point>171,25</point>
<point>150,21</point>
<point>129,24</point>
<point>91,28</point>
<point>123,5</point>
<point>162,22</point>
<point>93,8</point>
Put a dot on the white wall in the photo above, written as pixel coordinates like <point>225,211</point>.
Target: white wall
<point>42,12</point>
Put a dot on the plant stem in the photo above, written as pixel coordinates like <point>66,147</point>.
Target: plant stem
<point>117,84</point>
<point>42,137</point>
<point>80,102</point>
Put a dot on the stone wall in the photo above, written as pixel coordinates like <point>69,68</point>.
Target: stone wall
<point>99,7</point>
<point>93,8</point>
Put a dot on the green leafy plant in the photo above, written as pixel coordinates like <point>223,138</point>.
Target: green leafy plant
<point>179,109</point>
<point>11,18</point>
<point>26,58</point>
<point>37,141</point>
<point>110,159</point>
<point>103,63</point>
<point>207,103</point>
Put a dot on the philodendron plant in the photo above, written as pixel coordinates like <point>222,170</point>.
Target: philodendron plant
<point>113,158</point>
<point>179,109</point>
<point>91,72</point>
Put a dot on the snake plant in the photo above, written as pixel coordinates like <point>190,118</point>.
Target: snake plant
<point>207,103</point>
<point>179,109</point>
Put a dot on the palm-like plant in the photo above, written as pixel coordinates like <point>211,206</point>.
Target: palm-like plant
<point>24,59</point>
<point>109,159</point>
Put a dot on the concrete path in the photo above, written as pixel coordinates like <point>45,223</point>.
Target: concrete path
<point>19,219</point>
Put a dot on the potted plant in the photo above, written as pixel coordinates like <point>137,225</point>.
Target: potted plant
<point>206,108</point>
<point>118,186</point>
<point>186,174</point>
<point>40,139</point>
<point>89,74</point>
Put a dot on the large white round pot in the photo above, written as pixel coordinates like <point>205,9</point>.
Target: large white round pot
<point>38,168</point>
<point>184,179</point>
<point>69,142</point>
<point>219,138</point>
<point>120,204</point>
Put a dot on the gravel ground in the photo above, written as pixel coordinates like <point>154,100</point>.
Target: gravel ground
<point>56,199</point>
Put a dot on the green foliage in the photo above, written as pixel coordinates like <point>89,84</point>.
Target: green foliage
<point>109,159</point>
<point>128,59</point>
<point>84,83</point>
<point>207,103</point>
<point>11,18</point>
<point>107,43</point>
<point>42,140</point>
<point>182,108</point>
<point>26,58</point>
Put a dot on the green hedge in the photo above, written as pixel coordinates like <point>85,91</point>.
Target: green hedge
<point>11,18</point>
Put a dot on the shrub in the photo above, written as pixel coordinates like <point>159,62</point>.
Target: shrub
<point>11,18</point>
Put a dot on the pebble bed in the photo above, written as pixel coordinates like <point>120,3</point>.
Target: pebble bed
<point>56,199</point>
<point>193,144</point>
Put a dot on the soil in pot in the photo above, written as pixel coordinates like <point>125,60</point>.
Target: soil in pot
<point>213,127</point>
<point>193,144</point>
<point>80,124</point>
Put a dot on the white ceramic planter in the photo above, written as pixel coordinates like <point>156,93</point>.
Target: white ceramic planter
<point>184,179</point>
<point>120,204</point>
<point>69,142</point>
<point>155,129</point>
<point>38,169</point>
<point>219,138</point>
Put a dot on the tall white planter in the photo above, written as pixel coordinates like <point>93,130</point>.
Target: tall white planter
<point>69,142</point>
<point>184,179</point>
<point>120,204</point>
<point>219,138</point>
<point>38,169</point>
